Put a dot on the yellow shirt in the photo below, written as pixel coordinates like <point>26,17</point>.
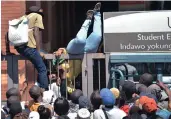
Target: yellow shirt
<point>33,106</point>
<point>35,20</point>
<point>75,68</point>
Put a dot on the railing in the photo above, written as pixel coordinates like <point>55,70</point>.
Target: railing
<point>87,68</point>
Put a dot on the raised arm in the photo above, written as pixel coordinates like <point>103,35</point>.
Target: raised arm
<point>168,92</point>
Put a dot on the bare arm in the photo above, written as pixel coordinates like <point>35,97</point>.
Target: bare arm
<point>166,89</point>
<point>37,37</point>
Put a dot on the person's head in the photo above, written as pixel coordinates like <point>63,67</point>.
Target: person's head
<point>135,116</point>
<point>96,99</point>
<point>15,108</point>
<point>44,112</point>
<point>13,92</point>
<point>11,100</point>
<point>108,99</point>
<point>75,96</point>
<point>2,115</point>
<point>35,9</point>
<point>61,106</point>
<point>142,88</point>
<point>84,102</point>
<point>34,115</point>
<point>129,89</point>
<point>35,92</point>
<point>134,109</point>
<point>63,117</point>
<point>146,79</point>
<point>115,92</point>
<point>83,114</point>
<point>147,104</point>
<point>22,115</point>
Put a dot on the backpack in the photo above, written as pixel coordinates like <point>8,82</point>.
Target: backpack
<point>18,31</point>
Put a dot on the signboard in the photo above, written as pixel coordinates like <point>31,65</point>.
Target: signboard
<point>146,31</point>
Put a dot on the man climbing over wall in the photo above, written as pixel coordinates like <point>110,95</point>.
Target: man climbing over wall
<point>31,50</point>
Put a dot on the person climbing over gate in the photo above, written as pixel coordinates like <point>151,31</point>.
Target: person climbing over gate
<point>81,43</point>
<point>31,50</point>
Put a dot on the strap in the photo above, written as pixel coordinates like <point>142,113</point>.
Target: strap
<point>105,113</point>
<point>126,71</point>
<point>30,15</point>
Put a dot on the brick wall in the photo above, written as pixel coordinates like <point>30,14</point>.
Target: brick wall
<point>10,10</point>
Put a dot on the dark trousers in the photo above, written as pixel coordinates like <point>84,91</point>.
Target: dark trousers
<point>34,56</point>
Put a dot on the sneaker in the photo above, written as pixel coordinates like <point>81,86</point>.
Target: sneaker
<point>37,84</point>
<point>90,14</point>
<point>97,7</point>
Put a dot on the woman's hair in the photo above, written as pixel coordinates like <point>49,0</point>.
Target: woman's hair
<point>44,112</point>
<point>96,99</point>
<point>61,106</point>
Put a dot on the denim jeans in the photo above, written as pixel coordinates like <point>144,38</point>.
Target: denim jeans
<point>34,56</point>
<point>81,44</point>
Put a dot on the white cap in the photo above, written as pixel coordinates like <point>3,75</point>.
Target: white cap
<point>34,115</point>
<point>83,114</point>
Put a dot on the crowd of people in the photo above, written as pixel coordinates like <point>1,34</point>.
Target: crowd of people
<point>144,100</point>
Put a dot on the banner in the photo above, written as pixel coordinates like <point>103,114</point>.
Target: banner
<point>147,31</point>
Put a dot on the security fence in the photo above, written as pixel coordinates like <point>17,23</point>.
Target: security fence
<point>99,70</point>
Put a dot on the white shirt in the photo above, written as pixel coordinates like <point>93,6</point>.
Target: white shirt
<point>72,115</point>
<point>55,89</point>
<point>114,113</point>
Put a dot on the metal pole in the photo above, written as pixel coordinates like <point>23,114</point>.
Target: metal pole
<point>66,82</point>
<point>162,5</point>
<point>159,71</point>
<point>34,75</point>
<point>113,75</point>
<point>99,73</point>
<point>58,76</point>
<point>50,70</point>
<point>26,77</point>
